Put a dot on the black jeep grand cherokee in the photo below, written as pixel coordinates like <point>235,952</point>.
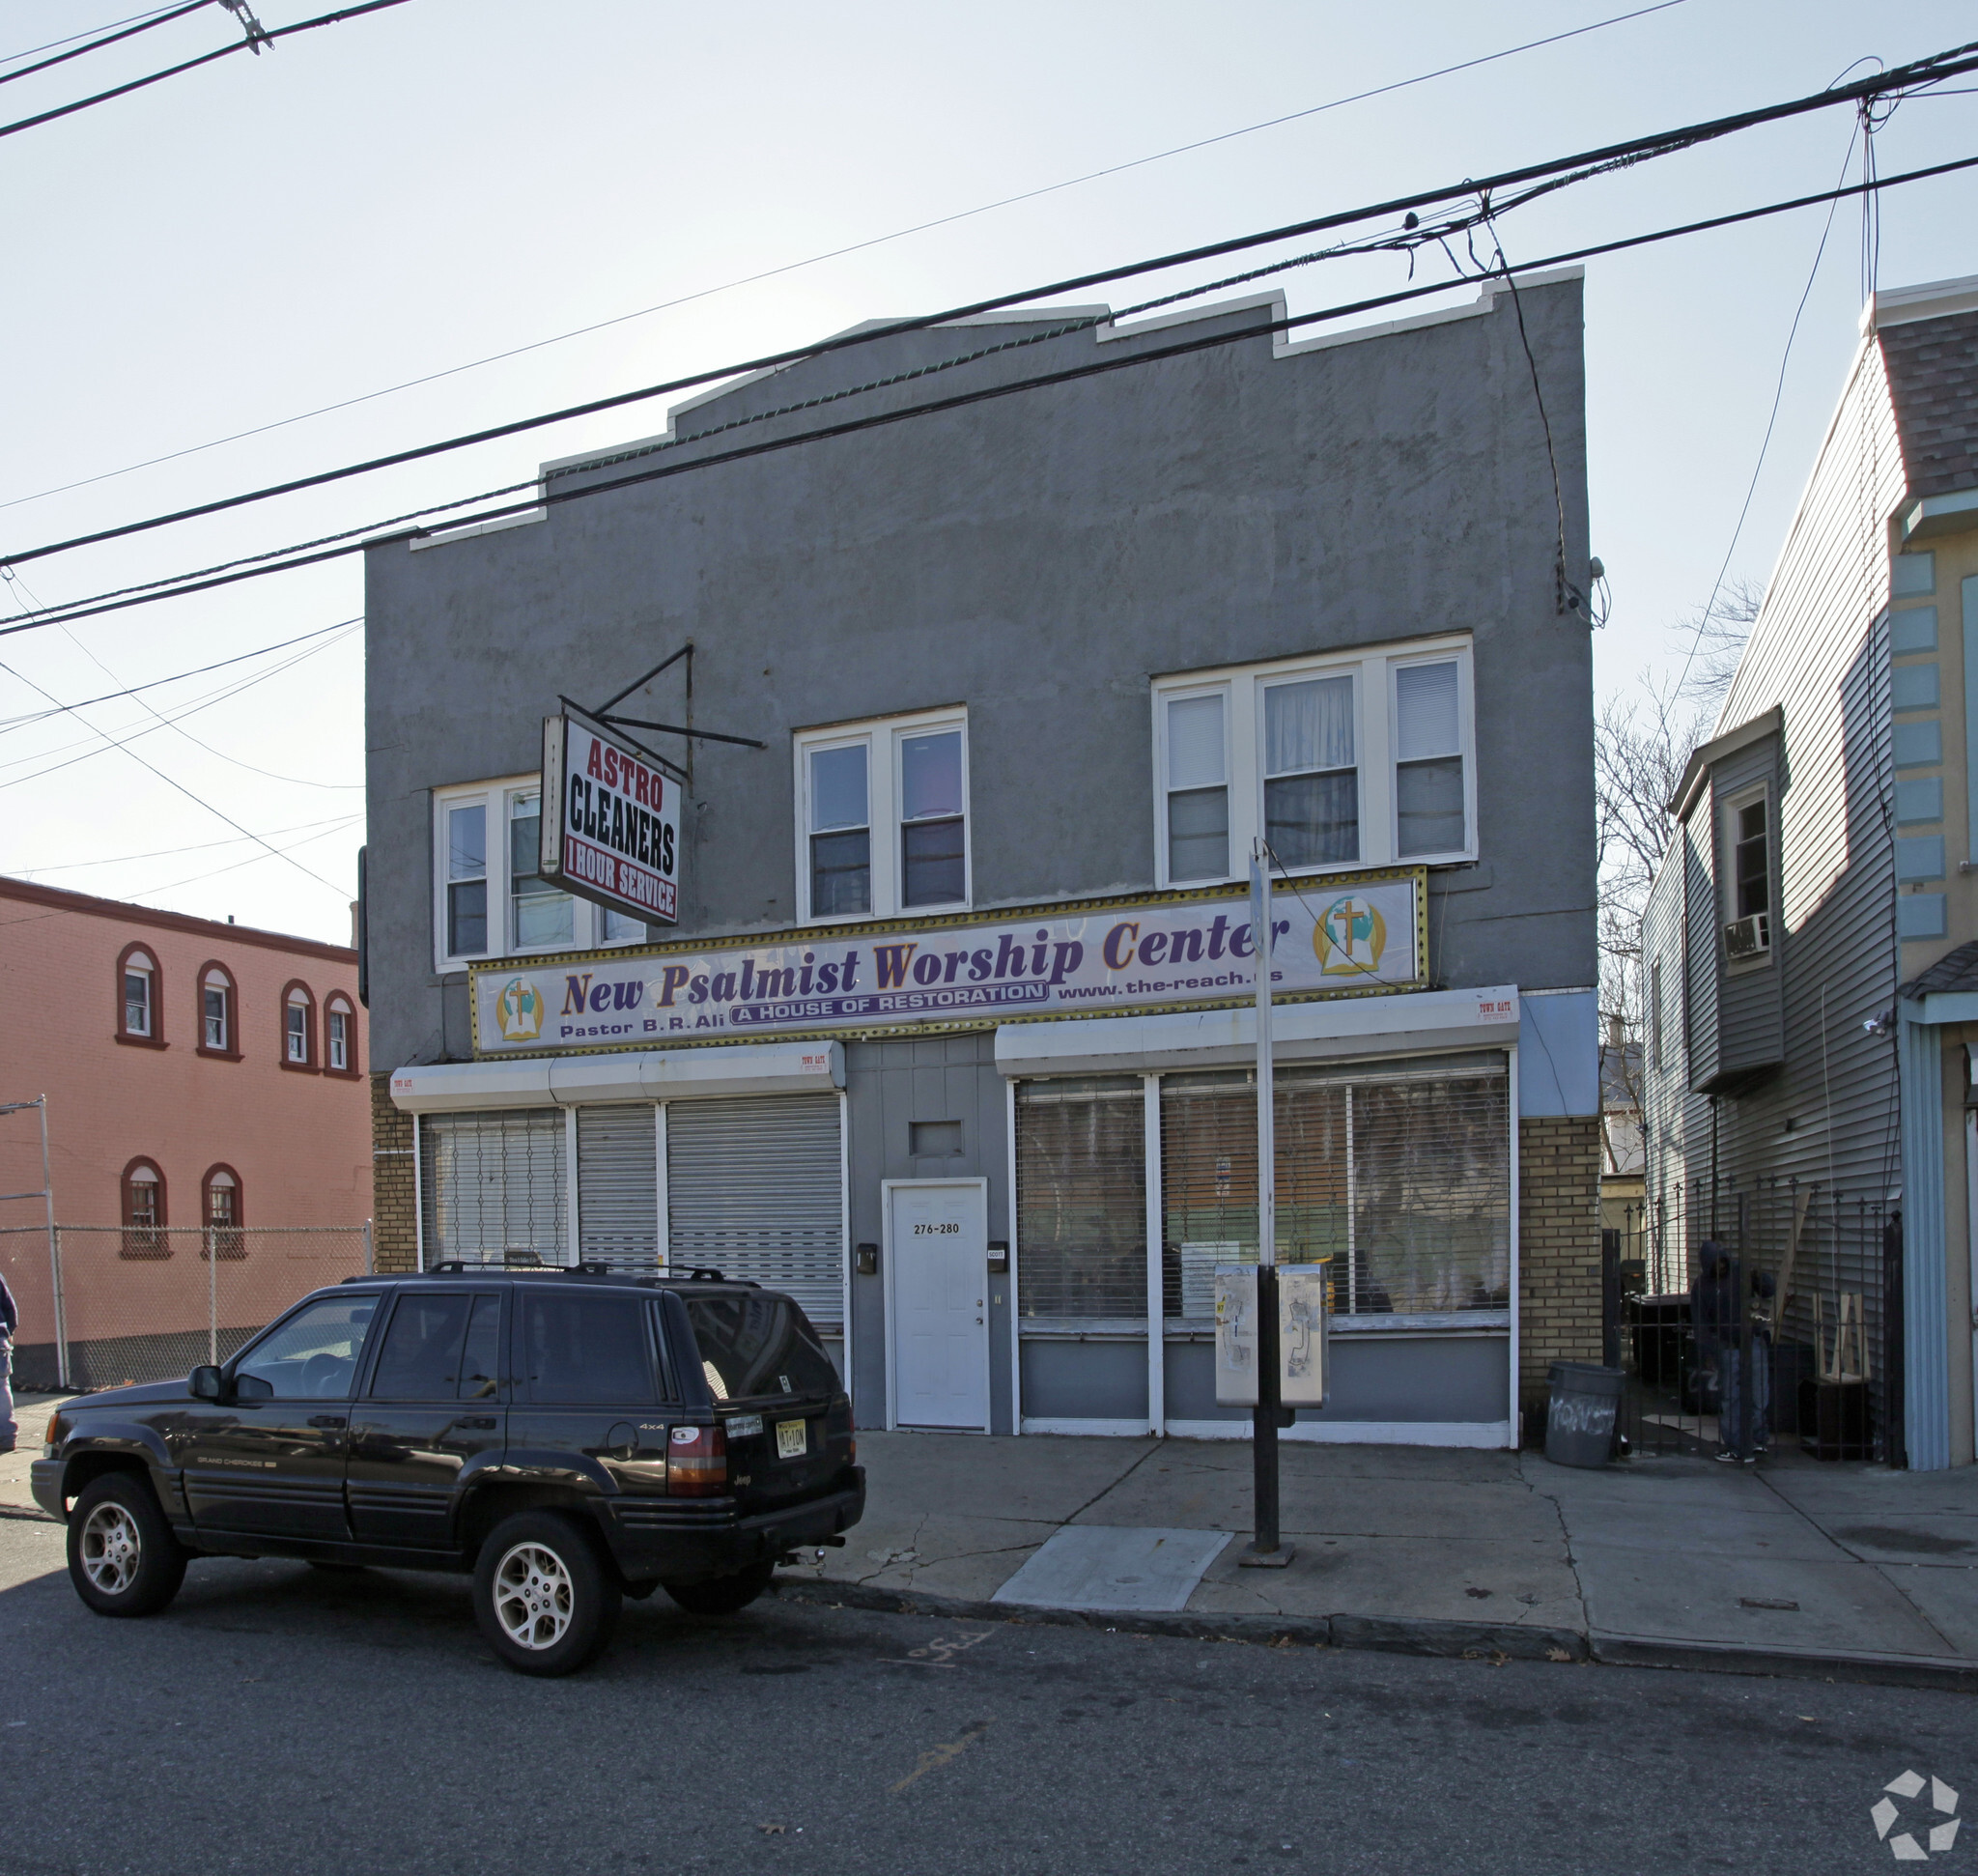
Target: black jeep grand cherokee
<point>568,1436</point>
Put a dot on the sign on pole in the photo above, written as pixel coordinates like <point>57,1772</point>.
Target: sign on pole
<point>612,834</point>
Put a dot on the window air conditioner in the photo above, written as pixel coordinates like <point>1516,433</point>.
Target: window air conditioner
<point>1748,937</point>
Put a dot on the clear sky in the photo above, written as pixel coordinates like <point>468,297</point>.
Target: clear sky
<point>400,194</point>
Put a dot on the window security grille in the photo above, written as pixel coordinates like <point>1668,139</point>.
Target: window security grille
<point>1081,1186</point>
<point>493,1186</point>
<point>754,1189</point>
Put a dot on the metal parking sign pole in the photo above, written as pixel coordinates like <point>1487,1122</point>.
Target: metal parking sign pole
<point>1265,1552</point>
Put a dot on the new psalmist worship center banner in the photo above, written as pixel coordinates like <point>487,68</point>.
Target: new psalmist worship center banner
<point>1332,935</point>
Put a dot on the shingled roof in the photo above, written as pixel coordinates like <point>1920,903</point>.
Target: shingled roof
<point>1933,367</point>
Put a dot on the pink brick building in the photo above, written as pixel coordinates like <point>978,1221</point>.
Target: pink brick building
<point>197,1074</point>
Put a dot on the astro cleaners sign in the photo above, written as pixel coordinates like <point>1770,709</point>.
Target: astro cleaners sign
<point>1343,934</point>
<point>613,834</point>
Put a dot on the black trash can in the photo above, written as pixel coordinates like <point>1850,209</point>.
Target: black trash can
<point>1579,1425</point>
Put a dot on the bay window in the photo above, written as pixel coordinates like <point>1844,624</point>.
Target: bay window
<point>1361,757</point>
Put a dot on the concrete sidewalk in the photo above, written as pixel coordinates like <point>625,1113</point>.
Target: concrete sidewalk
<point>1789,1567</point>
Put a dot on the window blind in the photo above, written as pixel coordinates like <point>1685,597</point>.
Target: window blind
<point>1080,1195</point>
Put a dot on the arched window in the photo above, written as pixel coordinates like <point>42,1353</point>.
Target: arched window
<point>299,1027</point>
<point>140,1008</point>
<point>220,1011</point>
<point>339,1035</point>
<point>143,1194</point>
<point>221,1193</point>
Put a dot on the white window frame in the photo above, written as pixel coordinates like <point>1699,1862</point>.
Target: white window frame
<point>881,737</point>
<point>1376,740</point>
<point>1728,809</point>
<point>148,970</point>
<point>587,921</point>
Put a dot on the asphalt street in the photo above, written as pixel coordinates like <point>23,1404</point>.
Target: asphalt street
<point>278,1719</point>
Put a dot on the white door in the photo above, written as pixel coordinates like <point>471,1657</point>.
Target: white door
<point>937,1256</point>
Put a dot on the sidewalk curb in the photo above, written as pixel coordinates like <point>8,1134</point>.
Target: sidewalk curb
<point>1464,1640</point>
<point>1949,1673</point>
<point>1419,1636</point>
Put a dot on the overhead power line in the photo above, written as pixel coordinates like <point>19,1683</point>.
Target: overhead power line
<point>253,43</point>
<point>328,824</point>
<point>852,247</point>
<point>1944,65</point>
<point>547,497</point>
<point>109,38</point>
<point>11,57</point>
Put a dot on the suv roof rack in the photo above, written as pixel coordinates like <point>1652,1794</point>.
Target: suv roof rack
<point>589,1268</point>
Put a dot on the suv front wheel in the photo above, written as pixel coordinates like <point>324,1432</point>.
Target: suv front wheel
<point>542,1595</point>
<point>123,1558</point>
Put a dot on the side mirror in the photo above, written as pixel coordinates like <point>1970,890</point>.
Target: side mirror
<point>205,1384</point>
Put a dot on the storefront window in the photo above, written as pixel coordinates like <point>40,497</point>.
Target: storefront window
<point>1414,1217</point>
<point>1081,1184</point>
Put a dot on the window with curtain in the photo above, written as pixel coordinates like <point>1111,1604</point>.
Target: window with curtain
<point>1311,787</point>
<point>1081,1200</point>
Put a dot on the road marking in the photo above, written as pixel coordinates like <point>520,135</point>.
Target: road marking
<point>938,1653</point>
<point>943,1754</point>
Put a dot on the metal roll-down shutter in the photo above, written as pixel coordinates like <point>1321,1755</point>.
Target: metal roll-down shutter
<point>755,1189</point>
<point>618,1185</point>
<point>492,1186</point>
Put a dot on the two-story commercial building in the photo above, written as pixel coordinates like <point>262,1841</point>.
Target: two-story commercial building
<point>952,1035</point>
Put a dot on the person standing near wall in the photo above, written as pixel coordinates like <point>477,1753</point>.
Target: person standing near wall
<point>1717,1313</point>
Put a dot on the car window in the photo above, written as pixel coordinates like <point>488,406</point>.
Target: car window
<point>753,1345</point>
<point>480,1372</point>
<point>589,1348</point>
<point>423,1344</point>
<point>312,1356</point>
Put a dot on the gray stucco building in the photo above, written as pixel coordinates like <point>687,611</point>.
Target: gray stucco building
<point>951,1036</point>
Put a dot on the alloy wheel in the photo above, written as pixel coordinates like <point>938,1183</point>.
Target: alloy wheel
<point>534,1598</point>
<point>111,1549</point>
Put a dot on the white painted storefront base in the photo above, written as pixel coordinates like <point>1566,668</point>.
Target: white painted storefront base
<point>1481,1435</point>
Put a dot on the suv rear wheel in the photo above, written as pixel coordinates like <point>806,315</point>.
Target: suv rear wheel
<point>722,1595</point>
<point>123,1558</point>
<point>542,1595</point>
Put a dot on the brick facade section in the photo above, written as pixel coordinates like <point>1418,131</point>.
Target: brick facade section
<point>1558,1248</point>
<point>395,1231</point>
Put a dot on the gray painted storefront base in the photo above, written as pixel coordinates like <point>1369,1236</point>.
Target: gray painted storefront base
<point>1384,1380</point>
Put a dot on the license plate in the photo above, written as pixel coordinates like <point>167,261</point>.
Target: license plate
<point>793,1439</point>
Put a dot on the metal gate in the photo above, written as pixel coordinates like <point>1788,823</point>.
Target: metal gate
<point>755,1189</point>
<point>618,1185</point>
<point>491,1187</point>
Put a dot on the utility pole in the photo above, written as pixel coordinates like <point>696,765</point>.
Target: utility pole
<point>1265,1552</point>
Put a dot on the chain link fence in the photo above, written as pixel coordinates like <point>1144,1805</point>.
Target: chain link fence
<point>103,1305</point>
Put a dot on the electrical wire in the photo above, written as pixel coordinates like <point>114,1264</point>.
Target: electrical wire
<point>838,253</point>
<point>9,57</point>
<point>96,45</point>
<point>250,44</point>
<point>225,694</point>
<point>550,498</point>
<point>1951,62</point>
<point>197,800</point>
<point>153,684</point>
<point>1703,624</point>
<point>326,827</point>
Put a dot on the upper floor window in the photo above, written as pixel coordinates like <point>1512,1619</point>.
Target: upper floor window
<point>221,1188</point>
<point>489,899</point>
<point>138,996</point>
<point>1355,759</point>
<point>299,1027</point>
<point>1746,875</point>
<point>216,1002</point>
<point>339,1035</point>
<point>882,817</point>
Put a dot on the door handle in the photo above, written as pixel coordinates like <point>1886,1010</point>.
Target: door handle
<point>482,1424</point>
<point>326,1420</point>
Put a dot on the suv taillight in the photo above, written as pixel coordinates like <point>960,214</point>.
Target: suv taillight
<point>697,1462</point>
